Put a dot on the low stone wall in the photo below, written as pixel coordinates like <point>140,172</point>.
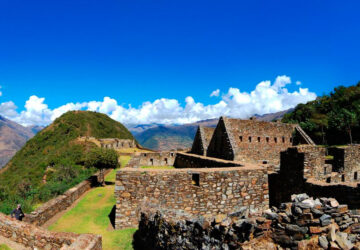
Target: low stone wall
<point>186,160</point>
<point>49,209</point>
<point>38,238</point>
<point>195,191</point>
<point>302,224</point>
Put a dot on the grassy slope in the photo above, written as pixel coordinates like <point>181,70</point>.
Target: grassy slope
<point>90,215</point>
<point>55,145</point>
<point>4,247</point>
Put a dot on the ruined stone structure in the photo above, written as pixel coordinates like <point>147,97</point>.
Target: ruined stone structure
<point>202,139</point>
<point>305,169</point>
<point>33,237</point>
<point>157,158</point>
<point>193,190</point>
<point>115,143</point>
<point>111,143</point>
<point>253,141</point>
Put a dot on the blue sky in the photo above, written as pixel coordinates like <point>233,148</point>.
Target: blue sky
<point>138,51</point>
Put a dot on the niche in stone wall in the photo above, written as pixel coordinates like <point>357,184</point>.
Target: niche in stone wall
<point>195,179</point>
<point>355,176</point>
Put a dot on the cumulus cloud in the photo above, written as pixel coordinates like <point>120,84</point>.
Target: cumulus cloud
<point>267,97</point>
<point>215,93</point>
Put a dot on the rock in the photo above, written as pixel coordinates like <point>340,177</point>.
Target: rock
<point>325,220</point>
<point>271,215</point>
<point>299,197</point>
<point>297,210</point>
<point>242,213</point>
<point>308,244</point>
<point>323,242</point>
<point>334,246</point>
<point>332,233</point>
<point>309,202</point>
<point>219,218</point>
<point>343,242</point>
<point>342,209</point>
<point>295,229</point>
<point>316,212</point>
<point>333,202</point>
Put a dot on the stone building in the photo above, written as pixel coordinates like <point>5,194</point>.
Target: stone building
<point>157,158</point>
<point>307,169</point>
<point>115,143</point>
<point>254,141</point>
<point>197,191</point>
<point>202,139</point>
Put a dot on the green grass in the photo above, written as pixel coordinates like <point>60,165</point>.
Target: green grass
<point>110,177</point>
<point>158,167</point>
<point>90,215</point>
<point>55,146</point>
<point>4,247</point>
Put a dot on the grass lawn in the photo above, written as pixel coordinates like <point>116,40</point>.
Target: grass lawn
<point>90,215</point>
<point>158,167</point>
<point>4,247</point>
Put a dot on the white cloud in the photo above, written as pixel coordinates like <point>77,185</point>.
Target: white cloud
<point>215,93</point>
<point>298,83</point>
<point>265,98</point>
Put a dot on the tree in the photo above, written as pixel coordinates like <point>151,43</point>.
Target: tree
<point>102,159</point>
<point>345,120</point>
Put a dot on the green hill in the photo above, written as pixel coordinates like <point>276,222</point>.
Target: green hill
<point>53,160</point>
<point>332,119</point>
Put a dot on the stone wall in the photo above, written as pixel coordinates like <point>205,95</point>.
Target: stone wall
<point>185,160</point>
<point>304,223</point>
<point>157,158</point>
<point>250,140</point>
<point>221,143</point>
<point>38,238</point>
<point>195,191</point>
<point>346,163</point>
<point>115,143</point>
<point>49,209</point>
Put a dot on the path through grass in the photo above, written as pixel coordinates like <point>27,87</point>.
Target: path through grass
<point>91,215</point>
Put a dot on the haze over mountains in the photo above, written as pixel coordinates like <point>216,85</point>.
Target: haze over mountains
<point>12,137</point>
<point>165,137</point>
<point>154,136</point>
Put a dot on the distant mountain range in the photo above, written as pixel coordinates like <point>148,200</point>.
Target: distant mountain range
<point>12,137</point>
<point>165,137</point>
<point>153,136</point>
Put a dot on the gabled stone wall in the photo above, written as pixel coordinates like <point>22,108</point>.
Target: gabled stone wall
<point>220,145</point>
<point>195,191</point>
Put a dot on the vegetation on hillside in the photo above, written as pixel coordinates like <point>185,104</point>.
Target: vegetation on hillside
<point>92,215</point>
<point>331,119</point>
<point>53,160</point>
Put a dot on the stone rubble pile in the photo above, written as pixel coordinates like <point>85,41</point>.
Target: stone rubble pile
<point>307,221</point>
<point>304,223</point>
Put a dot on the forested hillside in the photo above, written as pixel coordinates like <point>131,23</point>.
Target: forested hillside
<point>54,160</point>
<point>331,119</point>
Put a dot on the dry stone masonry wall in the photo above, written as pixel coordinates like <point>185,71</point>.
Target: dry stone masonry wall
<point>38,238</point>
<point>157,158</point>
<point>195,191</point>
<point>49,209</point>
<point>304,223</point>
